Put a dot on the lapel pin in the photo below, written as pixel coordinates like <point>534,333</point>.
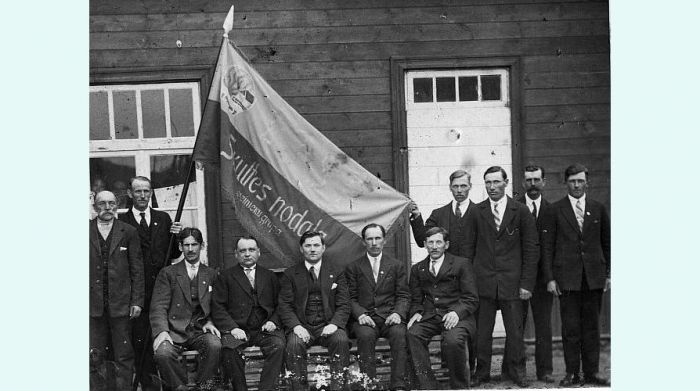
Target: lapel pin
<point>381,272</point>
<point>588,213</point>
<point>331,276</point>
<point>154,223</point>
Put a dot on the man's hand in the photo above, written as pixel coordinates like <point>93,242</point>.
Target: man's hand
<point>302,333</point>
<point>162,337</point>
<point>525,294</point>
<point>210,328</point>
<point>450,320</point>
<point>239,334</point>
<point>392,319</point>
<point>269,326</point>
<point>415,318</point>
<point>134,312</point>
<point>553,288</point>
<point>366,320</point>
<point>607,285</point>
<point>176,228</point>
<point>413,208</point>
<point>329,329</point>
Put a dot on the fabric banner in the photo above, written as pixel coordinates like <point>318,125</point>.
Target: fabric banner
<point>281,174</point>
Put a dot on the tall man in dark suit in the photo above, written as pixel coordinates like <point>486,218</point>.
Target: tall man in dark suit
<point>116,294</point>
<point>503,246</point>
<point>244,308</point>
<point>154,228</point>
<point>452,216</point>
<point>314,307</point>
<point>576,246</point>
<point>379,301</point>
<point>444,299</point>
<point>541,301</point>
<point>180,316</point>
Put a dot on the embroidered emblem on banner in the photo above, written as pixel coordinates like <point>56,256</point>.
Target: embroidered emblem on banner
<point>237,90</point>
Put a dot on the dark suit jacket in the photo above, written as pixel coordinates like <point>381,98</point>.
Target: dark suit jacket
<point>444,217</point>
<point>294,293</point>
<point>171,305</point>
<point>388,295</point>
<point>453,289</point>
<point>541,273</point>
<point>504,260</point>
<point>568,251</point>
<point>234,298</point>
<point>154,254</point>
<point>125,275</point>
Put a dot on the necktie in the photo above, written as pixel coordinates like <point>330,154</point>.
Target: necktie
<point>534,210</point>
<point>579,215</point>
<point>143,222</point>
<point>375,268</point>
<point>249,274</point>
<point>496,217</point>
<point>432,268</point>
<point>458,212</point>
<point>312,272</point>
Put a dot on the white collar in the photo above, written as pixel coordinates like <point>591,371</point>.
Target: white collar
<point>246,268</point>
<point>439,260</point>
<point>194,266</point>
<point>503,200</point>
<point>573,201</point>
<point>462,205</point>
<point>317,265</point>
<point>137,214</point>
<point>378,257</point>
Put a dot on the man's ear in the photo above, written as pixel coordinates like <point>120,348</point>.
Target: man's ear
<point>447,245</point>
<point>131,195</point>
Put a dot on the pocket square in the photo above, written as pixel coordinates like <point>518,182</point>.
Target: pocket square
<point>122,248</point>
<point>334,286</point>
<point>209,288</point>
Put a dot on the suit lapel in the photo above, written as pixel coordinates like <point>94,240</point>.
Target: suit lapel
<point>117,234</point>
<point>183,280</point>
<point>488,215</point>
<point>366,268</point>
<point>383,270</point>
<point>242,279</point>
<point>569,215</point>
<point>202,277</point>
<point>511,210</point>
<point>325,280</point>
<point>94,235</point>
<point>300,276</point>
<point>445,267</point>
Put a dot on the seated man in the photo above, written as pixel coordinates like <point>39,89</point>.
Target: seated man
<point>314,308</point>
<point>180,316</point>
<point>379,301</point>
<point>244,309</point>
<point>443,301</point>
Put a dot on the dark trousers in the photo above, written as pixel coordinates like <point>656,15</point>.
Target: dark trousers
<point>173,373</point>
<point>143,349</point>
<point>541,303</point>
<point>366,343</point>
<point>511,310</point>
<point>272,346</point>
<point>338,351</point>
<point>580,328</point>
<point>112,356</point>
<point>453,347</point>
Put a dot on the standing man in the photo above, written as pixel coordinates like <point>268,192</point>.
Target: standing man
<point>452,216</point>
<point>116,294</point>
<point>379,301</point>
<point>244,308</point>
<point>443,301</point>
<point>576,246</point>
<point>503,246</point>
<point>180,316</point>
<point>314,308</point>
<point>154,228</point>
<point>541,301</point>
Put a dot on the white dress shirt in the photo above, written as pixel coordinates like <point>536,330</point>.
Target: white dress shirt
<point>372,260</point>
<point>574,200</point>
<point>317,266</point>
<point>530,202</point>
<point>137,215</point>
<point>192,269</point>
<point>437,264</point>
<point>462,206</point>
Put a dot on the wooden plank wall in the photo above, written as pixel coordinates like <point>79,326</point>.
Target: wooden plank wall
<point>330,60</point>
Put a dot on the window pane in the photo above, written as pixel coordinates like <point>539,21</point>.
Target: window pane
<point>99,116</point>
<point>125,125</point>
<point>113,174</point>
<point>491,87</point>
<point>423,90</point>
<point>181,123</point>
<point>153,109</point>
<point>468,89</point>
<point>168,174</point>
<point>445,89</point>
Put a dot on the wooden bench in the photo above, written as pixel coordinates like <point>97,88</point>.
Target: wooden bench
<point>318,355</point>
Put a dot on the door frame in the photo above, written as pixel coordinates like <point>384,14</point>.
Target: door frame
<point>399,66</point>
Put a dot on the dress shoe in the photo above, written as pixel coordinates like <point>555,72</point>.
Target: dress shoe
<point>570,380</point>
<point>521,382</point>
<point>596,379</point>
<point>546,378</point>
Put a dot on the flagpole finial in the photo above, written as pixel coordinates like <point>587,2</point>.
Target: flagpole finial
<point>228,22</point>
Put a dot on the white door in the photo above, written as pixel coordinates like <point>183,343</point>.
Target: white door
<point>455,119</point>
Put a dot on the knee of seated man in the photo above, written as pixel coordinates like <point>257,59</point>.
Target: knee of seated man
<point>339,337</point>
<point>398,330</point>
<point>212,343</point>
<point>365,333</point>
<point>294,342</point>
<point>452,338</point>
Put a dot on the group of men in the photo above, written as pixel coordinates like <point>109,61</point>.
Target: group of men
<point>498,254</point>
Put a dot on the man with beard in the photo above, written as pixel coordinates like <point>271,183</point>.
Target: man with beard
<point>180,316</point>
<point>154,228</point>
<point>244,308</point>
<point>116,294</point>
<point>576,246</point>
<point>541,301</point>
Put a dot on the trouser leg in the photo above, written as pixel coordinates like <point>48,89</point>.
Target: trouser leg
<point>399,354</point>
<point>338,346</point>
<point>505,369</point>
<point>418,337</point>
<point>143,351</point>
<point>209,347</point>
<point>454,348</point>
<point>120,330</point>
<point>541,303</point>
<point>272,347</point>
<point>99,345</point>
<point>233,364</point>
<point>366,341</point>
<point>167,358</point>
<point>485,323</point>
<point>591,302</point>
<point>511,310</point>
<point>570,309</point>
<point>295,357</point>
